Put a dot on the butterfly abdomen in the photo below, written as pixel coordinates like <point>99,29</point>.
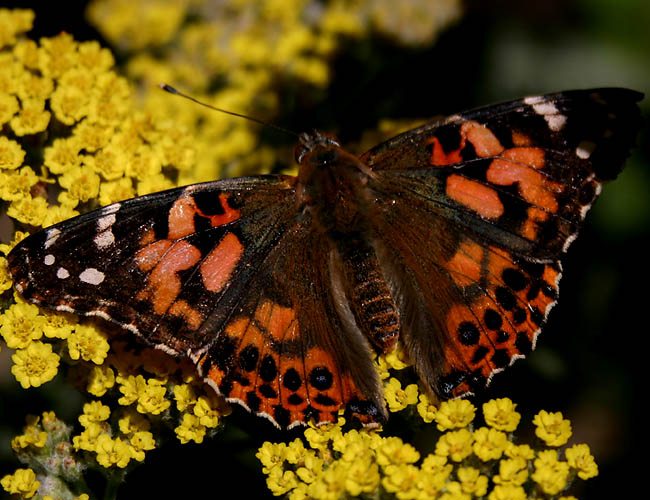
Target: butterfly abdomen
<point>371,301</point>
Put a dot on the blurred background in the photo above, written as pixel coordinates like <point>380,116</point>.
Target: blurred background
<point>591,359</point>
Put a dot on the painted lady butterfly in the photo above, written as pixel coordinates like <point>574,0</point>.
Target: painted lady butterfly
<point>279,288</point>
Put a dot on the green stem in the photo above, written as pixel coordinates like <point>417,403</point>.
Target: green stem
<point>113,482</point>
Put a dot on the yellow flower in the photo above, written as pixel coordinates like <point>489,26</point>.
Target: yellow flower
<point>63,154</point>
<point>397,358</point>
<point>57,214</point>
<point>70,104</point>
<point>140,442</point>
<point>132,423</point>
<point>11,154</point>
<point>457,445</point>
<point>579,457</point>
<point>27,53</point>
<point>89,344</point>
<point>151,397</point>
<point>33,435</point>
<point>501,415</point>
<point>87,440</point>
<point>206,408</point>
<point>154,184</point>
<point>512,471</point>
<point>426,409</point>
<point>184,396</point>
<point>398,398</point>
<point>92,136</point>
<point>22,482</point>
<point>81,185</point>
<point>58,325</point>
<point>34,87</point>
<point>109,162</point>
<point>21,324</point>
<point>31,211</point>
<point>112,452</point>
<point>8,108</point>
<point>362,476</point>
<point>437,466</point>
<point>472,481</point>
<point>17,184</point>
<point>190,429</point>
<point>14,22</point>
<point>393,451</point>
<point>271,455</point>
<point>489,443</point>
<point>5,283</point>
<point>94,412</point>
<point>34,365</point>
<point>507,492</point>
<point>280,481</point>
<point>130,387</point>
<point>310,467</point>
<point>550,473</point>
<point>113,191</point>
<point>519,451</point>
<point>552,428</point>
<point>402,480</point>
<point>31,119</point>
<point>454,414</point>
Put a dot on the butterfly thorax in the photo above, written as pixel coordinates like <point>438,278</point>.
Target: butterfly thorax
<point>332,184</point>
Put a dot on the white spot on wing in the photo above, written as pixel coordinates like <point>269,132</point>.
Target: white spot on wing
<point>584,149</point>
<point>105,222</point>
<point>111,209</point>
<point>51,236</point>
<point>548,110</point>
<point>555,122</point>
<point>104,239</point>
<point>49,259</point>
<point>92,276</point>
<point>62,273</point>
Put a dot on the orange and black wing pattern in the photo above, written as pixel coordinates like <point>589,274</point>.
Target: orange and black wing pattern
<point>476,212</point>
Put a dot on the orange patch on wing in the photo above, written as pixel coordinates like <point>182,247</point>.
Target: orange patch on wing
<point>181,218</point>
<point>148,237</point>
<point>484,141</point>
<point>532,224</point>
<point>475,196</point>
<point>440,158</point>
<point>150,255</point>
<point>278,321</point>
<point>465,265</point>
<point>521,165</point>
<point>229,214</point>
<point>192,317</point>
<point>520,139</point>
<point>164,285</point>
<point>216,269</point>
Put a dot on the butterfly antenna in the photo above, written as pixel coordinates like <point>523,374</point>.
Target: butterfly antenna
<point>172,90</point>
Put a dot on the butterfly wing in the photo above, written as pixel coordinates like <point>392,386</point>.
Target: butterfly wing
<point>221,272</point>
<point>475,212</point>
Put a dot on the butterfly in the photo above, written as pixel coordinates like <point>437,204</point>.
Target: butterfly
<point>281,289</point>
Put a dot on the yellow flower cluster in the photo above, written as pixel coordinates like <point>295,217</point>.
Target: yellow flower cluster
<point>250,51</point>
<point>45,446</point>
<point>467,462</point>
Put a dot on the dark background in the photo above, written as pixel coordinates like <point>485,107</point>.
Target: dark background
<point>591,359</point>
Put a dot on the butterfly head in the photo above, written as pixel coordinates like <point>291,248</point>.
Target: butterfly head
<point>315,142</point>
